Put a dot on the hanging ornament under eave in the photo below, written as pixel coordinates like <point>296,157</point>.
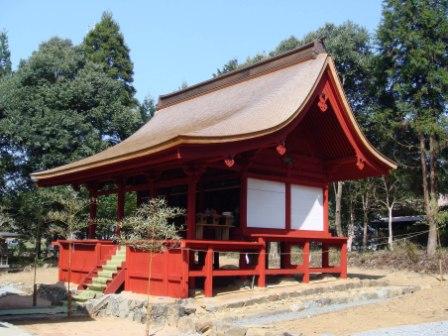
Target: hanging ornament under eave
<point>230,162</point>
<point>281,149</point>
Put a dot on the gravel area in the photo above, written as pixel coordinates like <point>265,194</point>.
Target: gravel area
<point>423,329</point>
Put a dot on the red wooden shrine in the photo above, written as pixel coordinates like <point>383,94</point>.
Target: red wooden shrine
<point>249,155</point>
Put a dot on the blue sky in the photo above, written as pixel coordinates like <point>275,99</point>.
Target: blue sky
<point>176,41</point>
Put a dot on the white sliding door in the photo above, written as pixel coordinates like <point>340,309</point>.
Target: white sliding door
<point>265,204</point>
<point>307,211</point>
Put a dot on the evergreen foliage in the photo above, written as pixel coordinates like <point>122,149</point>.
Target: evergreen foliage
<point>104,45</point>
<point>5,55</point>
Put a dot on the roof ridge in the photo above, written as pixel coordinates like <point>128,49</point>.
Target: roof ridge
<point>288,58</point>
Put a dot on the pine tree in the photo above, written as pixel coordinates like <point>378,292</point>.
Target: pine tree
<point>5,55</point>
<point>105,45</point>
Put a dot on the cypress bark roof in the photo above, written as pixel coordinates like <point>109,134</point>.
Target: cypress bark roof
<point>246,103</point>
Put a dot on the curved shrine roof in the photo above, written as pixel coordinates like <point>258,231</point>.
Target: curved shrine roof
<point>247,103</point>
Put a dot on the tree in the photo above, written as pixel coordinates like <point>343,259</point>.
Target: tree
<point>147,108</point>
<point>5,55</point>
<point>412,41</point>
<point>392,191</point>
<point>231,65</point>
<point>366,190</point>
<point>149,227</point>
<point>149,230</point>
<point>337,215</point>
<point>69,216</point>
<point>105,45</point>
<point>6,221</point>
<point>58,107</point>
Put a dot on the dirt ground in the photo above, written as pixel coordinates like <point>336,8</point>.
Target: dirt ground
<point>25,278</point>
<point>425,305</point>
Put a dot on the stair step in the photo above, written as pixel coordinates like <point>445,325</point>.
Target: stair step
<point>107,273</point>
<point>85,295</point>
<point>97,287</point>
<point>101,280</point>
<point>102,277</point>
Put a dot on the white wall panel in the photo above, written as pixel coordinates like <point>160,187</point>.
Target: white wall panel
<point>307,208</point>
<point>265,204</point>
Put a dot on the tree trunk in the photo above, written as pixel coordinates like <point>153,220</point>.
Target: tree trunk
<point>337,219</point>
<point>38,242</point>
<point>429,199</point>
<point>365,219</point>
<point>365,223</point>
<point>390,239</point>
<point>351,227</point>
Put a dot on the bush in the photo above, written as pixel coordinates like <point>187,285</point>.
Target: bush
<point>405,256</point>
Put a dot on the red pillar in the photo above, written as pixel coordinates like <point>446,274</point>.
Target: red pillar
<point>92,213</point>
<point>262,264</point>
<point>343,264</point>
<point>185,269</point>
<point>326,224</point>
<point>306,261</point>
<point>191,206</point>
<point>208,283</point>
<point>120,206</point>
<point>243,203</point>
<point>151,188</point>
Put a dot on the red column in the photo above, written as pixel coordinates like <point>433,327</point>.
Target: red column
<point>151,188</point>
<point>288,206</point>
<point>262,264</point>
<point>191,207</point>
<point>120,206</point>
<point>185,269</point>
<point>306,261</point>
<point>343,264</point>
<point>243,203</point>
<point>92,213</point>
<point>208,283</point>
<point>326,225</point>
<point>98,254</point>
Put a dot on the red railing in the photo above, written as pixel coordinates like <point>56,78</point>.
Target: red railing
<point>174,270</point>
<point>82,258</point>
<point>209,268</point>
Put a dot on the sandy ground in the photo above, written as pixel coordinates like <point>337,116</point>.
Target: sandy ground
<point>84,327</point>
<point>25,279</point>
<point>426,305</point>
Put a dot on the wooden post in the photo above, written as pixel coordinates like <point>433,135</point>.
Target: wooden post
<point>243,203</point>
<point>306,261</point>
<point>91,230</point>
<point>185,269</point>
<point>325,255</point>
<point>325,208</point>
<point>191,208</point>
<point>193,174</point>
<point>288,206</point>
<point>151,188</point>
<point>120,206</point>
<point>98,254</point>
<point>343,264</point>
<point>208,283</point>
<point>262,264</point>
